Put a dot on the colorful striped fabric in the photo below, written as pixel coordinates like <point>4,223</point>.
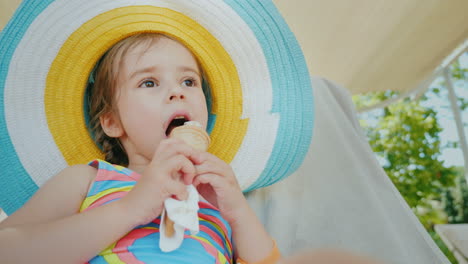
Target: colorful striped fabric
<point>141,245</point>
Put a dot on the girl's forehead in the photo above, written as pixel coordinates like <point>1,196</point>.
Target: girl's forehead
<point>162,52</point>
<point>156,45</point>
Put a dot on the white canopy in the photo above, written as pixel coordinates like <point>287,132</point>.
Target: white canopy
<point>367,45</point>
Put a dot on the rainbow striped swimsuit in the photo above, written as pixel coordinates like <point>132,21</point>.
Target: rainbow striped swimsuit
<point>141,245</point>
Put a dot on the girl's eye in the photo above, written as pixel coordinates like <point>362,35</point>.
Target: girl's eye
<point>189,82</point>
<point>147,84</point>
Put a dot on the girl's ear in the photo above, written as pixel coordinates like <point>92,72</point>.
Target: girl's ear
<point>111,125</point>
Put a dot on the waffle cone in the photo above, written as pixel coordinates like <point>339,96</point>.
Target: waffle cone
<point>192,135</point>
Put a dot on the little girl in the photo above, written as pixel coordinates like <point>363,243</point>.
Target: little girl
<point>145,85</point>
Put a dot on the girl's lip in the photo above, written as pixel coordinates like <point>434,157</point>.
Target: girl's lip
<point>177,113</point>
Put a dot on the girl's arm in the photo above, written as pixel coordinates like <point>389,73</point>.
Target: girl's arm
<point>252,242</point>
<point>48,229</point>
<point>59,197</point>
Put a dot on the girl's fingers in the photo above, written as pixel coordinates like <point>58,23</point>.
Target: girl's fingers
<point>182,166</point>
<point>214,167</point>
<point>209,162</point>
<point>171,147</point>
<point>200,179</point>
<point>206,156</point>
<point>212,179</point>
<point>208,167</point>
<point>178,189</point>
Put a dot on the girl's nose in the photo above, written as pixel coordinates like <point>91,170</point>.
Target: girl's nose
<point>176,93</point>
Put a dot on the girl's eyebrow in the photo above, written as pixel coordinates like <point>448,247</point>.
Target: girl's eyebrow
<point>154,68</point>
<point>144,70</point>
<point>188,69</point>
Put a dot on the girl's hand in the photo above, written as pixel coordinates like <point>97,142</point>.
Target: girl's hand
<point>216,182</point>
<point>166,175</point>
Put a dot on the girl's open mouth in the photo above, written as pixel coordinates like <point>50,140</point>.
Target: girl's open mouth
<point>177,121</point>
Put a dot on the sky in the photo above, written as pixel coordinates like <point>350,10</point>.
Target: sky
<point>445,116</point>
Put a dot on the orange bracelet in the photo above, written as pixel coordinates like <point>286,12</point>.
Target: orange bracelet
<point>273,257</point>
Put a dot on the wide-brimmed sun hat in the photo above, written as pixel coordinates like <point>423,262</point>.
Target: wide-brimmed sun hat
<point>261,110</point>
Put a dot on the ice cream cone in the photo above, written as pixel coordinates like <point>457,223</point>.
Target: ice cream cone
<point>194,135</point>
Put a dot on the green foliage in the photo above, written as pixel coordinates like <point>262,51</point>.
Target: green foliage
<point>455,200</point>
<point>406,137</point>
<point>458,72</point>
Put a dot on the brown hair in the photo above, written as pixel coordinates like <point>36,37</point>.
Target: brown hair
<point>103,94</point>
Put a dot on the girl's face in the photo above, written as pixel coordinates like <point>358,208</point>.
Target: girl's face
<point>157,86</point>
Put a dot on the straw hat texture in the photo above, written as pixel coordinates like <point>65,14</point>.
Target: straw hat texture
<point>260,99</point>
